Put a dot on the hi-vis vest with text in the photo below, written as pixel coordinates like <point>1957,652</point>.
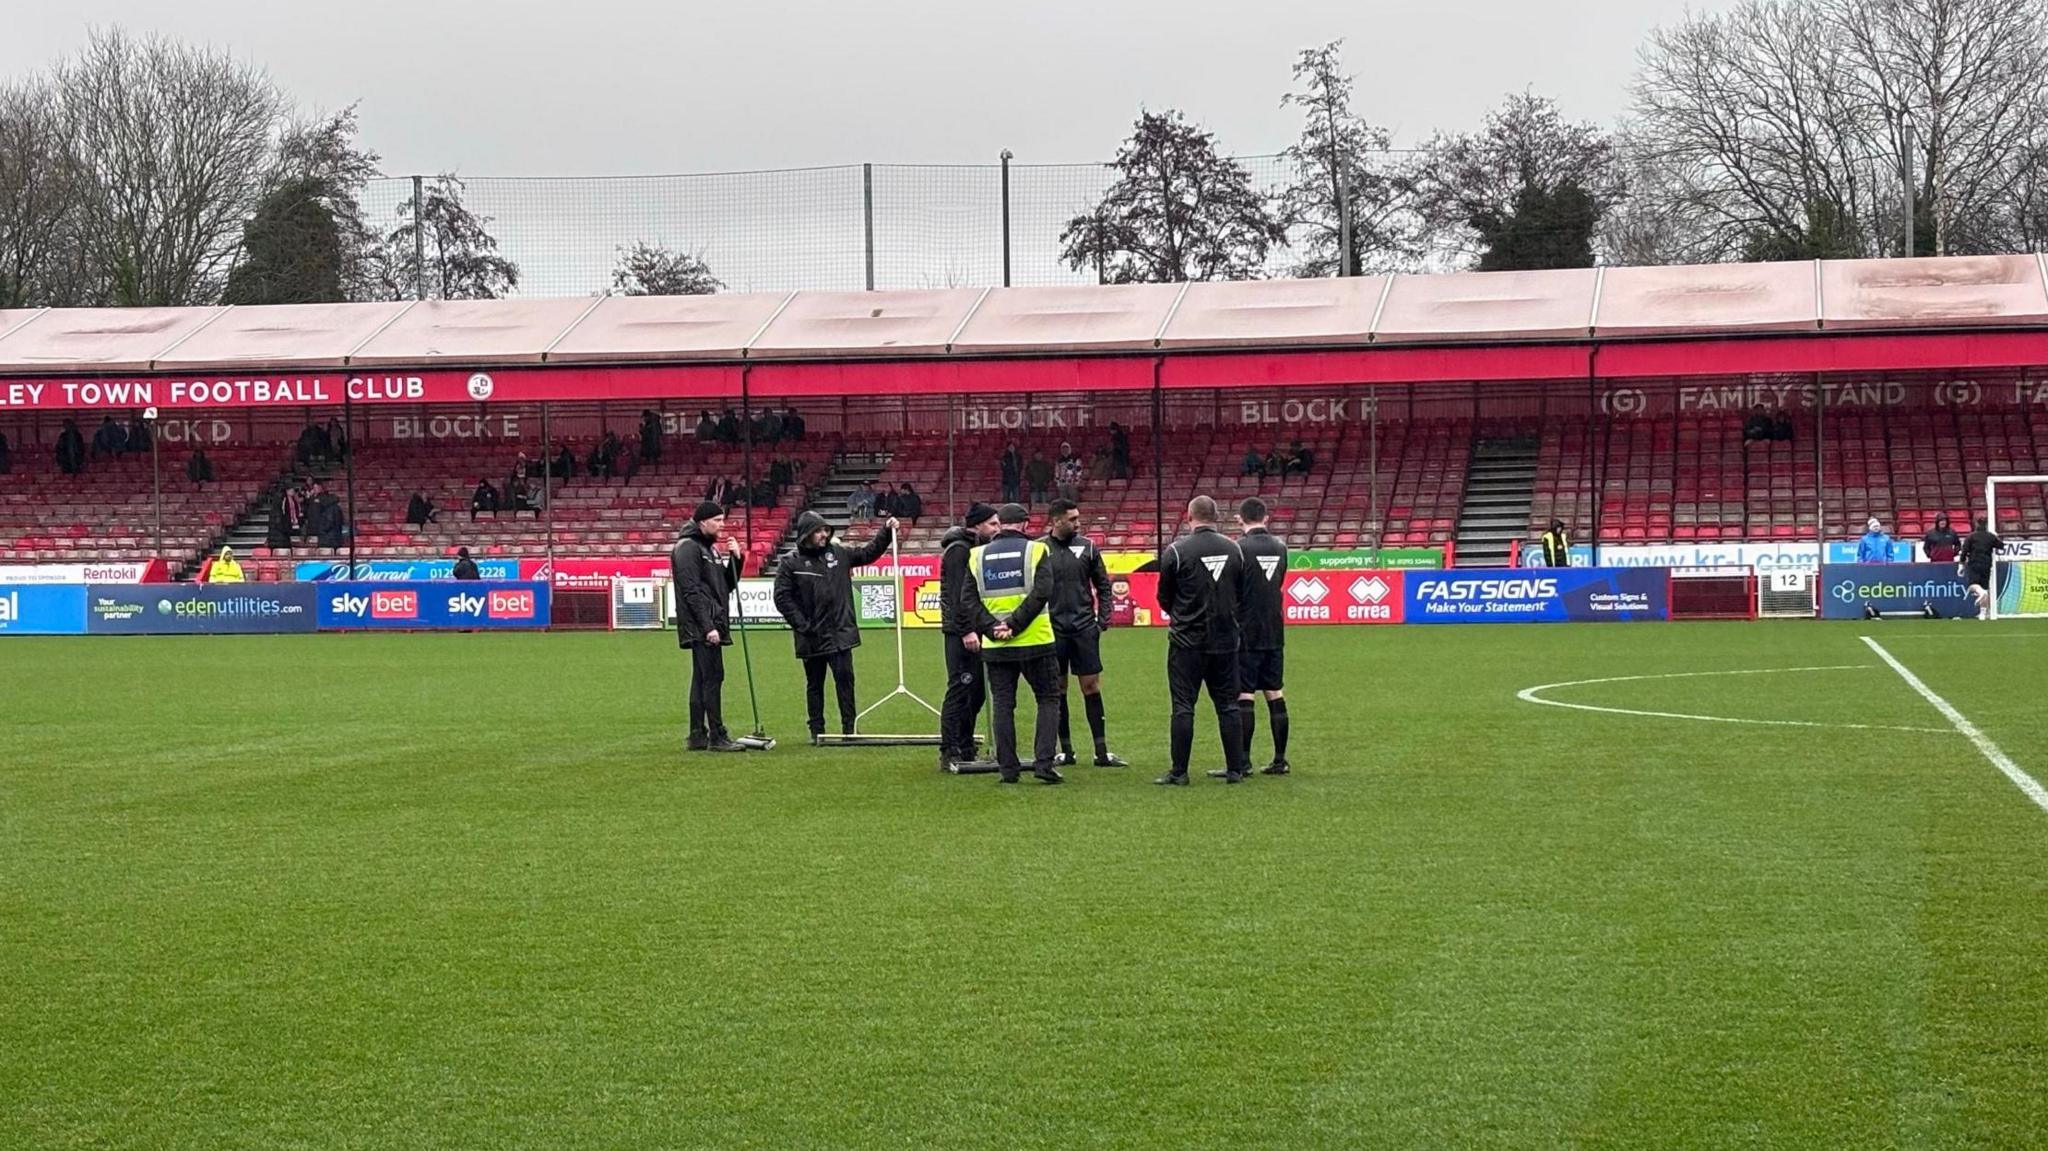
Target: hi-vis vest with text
<point>1004,569</point>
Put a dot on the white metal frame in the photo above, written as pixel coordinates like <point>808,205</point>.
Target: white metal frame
<point>1991,525</point>
<point>902,688</point>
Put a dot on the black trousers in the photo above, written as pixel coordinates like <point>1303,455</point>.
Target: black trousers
<point>840,663</point>
<point>1188,671</point>
<point>1043,675</point>
<point>707,692</point>
<point>966,691</point>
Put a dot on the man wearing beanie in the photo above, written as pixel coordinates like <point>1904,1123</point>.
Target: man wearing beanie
<point>704,583</point>
<point>1013,584</point>
<point>814,594</point>
<point>959,608</point>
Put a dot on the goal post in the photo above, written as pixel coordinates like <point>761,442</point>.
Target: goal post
<point>2019,577</point>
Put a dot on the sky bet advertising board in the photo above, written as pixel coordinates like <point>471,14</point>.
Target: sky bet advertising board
<point>1845,589</point>
<point>402,571</point>
<point>199,609</point>
<point>466,606</point>
<point>1538,595</point>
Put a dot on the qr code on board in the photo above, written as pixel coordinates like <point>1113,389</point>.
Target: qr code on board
<point>878,602</point>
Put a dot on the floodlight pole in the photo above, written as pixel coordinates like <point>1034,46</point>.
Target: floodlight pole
<point>1912,193</point>
<point>1158,460</point>
<point>156,484</point>
<point>1006,217</point>
<point>867,213</point>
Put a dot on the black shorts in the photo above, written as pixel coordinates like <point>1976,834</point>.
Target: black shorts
<point>1079,653</point>
<point>1977,577</point>
<point>1261,670</point>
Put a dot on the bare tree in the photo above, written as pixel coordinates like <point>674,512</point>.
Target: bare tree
<point>444,251</point>
<point>653,270</point>
<point>1785,121</point>
<point>1178,211</point>
<point>171,148</point>
<point>1341,163</point>
<point>38,205</point>
<point>1526,172</point>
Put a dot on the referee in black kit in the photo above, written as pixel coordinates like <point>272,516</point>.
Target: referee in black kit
<point>1201,588</point>
<point>1262,664</point>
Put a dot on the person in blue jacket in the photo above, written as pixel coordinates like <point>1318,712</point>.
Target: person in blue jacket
<point>1875,547</point>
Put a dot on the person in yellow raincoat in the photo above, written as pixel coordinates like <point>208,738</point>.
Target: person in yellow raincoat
<point>224,568</point>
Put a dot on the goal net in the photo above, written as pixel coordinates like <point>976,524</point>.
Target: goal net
<point>2016,507</point>
<point>637,604</point>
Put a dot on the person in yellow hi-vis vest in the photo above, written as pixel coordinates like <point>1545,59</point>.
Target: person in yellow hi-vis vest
<point>225,569</point>
<point>1013,584</point>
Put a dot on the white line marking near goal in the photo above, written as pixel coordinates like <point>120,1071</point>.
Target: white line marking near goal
<point>1970,731</point>
<point>1533,695</point>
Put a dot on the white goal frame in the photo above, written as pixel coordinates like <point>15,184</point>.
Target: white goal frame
<point>1991,484</point>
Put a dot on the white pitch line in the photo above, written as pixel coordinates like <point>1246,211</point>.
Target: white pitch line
<point>1531,695</point>
<point>1970,731</point>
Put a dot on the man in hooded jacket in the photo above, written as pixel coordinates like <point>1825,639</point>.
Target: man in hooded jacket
<point>703,583</point>
<point>814,593</point>
<point>966,679</point>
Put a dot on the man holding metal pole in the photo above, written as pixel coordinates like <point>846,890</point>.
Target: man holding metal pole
<point>814,593</point>
<point>966,682</point>
<point>703,590</point>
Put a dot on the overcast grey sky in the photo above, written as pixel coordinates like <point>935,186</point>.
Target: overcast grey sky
<point>514,87</point>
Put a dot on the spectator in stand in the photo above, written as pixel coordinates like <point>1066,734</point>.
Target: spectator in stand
<point>729,427</point>
<point>224,569</point>
<point>1119,451</point>
<point>293,504</point>
<point>327,520</point>
<point>707,428</point>
<point>1276,463</point>
<point>198,468</point>
<point>420,511</point>
<point>1254,464</point>
<point>650,437</point>
<point>1067,473</point>
<point>70,449</point>
<point>277,532</point>
<point>885,502</point>
<point>770,431</point>
<point>1781,427</point>
<point>484,499</point>
<point>779,472</point>
<point>519,495</point>
<point>1757,426</point>
<point>1102,466</point>
<point>1875,547</point>
<point>1300,460</point>
<point>337,438</point>
<point>109,440</point>
<point>1557,546</point>
<point>6,455</point>
<point>909,505</point>
<point>140,438</point>
<point>1013,474</point>
<point>1941,542</point>
<point>792,425</point>
<point>860,502</point>
<point>1038,476</point>
<point>312,444</point>
<point>765,494</point>
<point>465,567</point>
<point>565,464</point>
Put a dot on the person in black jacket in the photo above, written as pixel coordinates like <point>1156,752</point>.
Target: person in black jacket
<point>703,586</point>
<point>1201,589</point>
<point>1262,658</point>
<point>465,567</point>
<point>70,449</point>
<point>966,681</point>
<point>1080,614</point>
<point>1979,556</point>
<point>814,593</point>
<point>650,437</point>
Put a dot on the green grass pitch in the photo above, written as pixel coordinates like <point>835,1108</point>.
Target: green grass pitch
<point>468,892</point>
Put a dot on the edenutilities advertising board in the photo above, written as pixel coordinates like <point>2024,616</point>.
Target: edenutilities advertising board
<point>199,609</point>
<point>1538,595</point>
<point>469,606</point>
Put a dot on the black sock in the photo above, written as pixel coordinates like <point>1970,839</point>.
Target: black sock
<point>1249,720</point>
<point>1278,709</point>
<point>1182,746</point>
<point>1066,728</point>
<point>1093,705</point>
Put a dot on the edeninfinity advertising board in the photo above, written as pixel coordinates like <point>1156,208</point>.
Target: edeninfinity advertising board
<point>199,609</point>
<point>1538,595</point>
<point>1846,589</point>
<point>464,606</point>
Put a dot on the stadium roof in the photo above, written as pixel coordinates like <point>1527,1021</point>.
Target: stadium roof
<point>1955,312</point>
